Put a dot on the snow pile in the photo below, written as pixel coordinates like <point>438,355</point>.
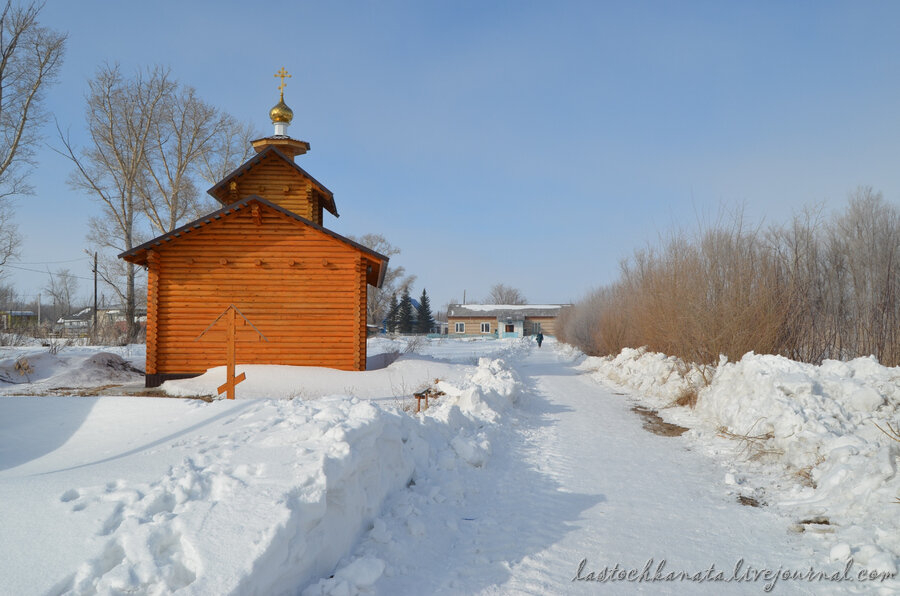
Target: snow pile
<point>808,412</point>
<point>454,434</point>
<point>264,496</point>
<point>36,369</point>
<point>817,424</point>
<point>820,423</point>
<point>650,373</point>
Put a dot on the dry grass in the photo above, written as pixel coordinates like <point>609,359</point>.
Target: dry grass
<point>754,446</point>
<point>805,473</point>
<point>687,397</point>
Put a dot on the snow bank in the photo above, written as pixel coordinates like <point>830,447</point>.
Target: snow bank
<point>815,424</point>
<point>264,497</point>
<point>455,432</point>
<point>255,496</point>
<point>650,373</point>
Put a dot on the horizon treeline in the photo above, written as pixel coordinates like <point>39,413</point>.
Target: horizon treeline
<point>816,288</point>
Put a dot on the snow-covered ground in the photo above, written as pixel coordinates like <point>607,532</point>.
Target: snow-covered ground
<point>804,440</point>
<point>530,474</point>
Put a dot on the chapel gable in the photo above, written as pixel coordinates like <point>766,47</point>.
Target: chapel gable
<point>274,176</point>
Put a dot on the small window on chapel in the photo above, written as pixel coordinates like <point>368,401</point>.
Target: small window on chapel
<point>460,327</point>
<point>485,327</point>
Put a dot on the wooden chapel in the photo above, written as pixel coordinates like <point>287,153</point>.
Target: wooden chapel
<point>266,252</point>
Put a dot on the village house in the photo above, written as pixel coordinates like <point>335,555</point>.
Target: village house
<point>502,320</point>
<point>299,287</point>
<point>17,319</point>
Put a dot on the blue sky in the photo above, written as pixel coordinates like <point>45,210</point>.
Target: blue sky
<point>531,143</point>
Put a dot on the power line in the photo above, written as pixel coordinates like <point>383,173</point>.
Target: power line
<point>44,272</point>
<point>52,262</point>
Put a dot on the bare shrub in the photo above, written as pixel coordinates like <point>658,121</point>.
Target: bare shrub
<point>414,344</point>
<point>811,290</point>
<point>57,344</point>
<point>753,446</point>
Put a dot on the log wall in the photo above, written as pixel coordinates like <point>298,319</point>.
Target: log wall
<point>276,181</point>
<point>303,289</point>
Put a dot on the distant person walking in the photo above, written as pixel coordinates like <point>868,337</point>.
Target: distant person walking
<point>540,338</point>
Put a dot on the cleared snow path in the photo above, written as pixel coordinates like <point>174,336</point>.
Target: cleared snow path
<point>573,476</point>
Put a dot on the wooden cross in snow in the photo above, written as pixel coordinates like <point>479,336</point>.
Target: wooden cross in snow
<point>230,379</point>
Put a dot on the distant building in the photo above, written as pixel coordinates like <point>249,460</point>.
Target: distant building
<point>502,320</point>
<point>75,324</point>
<point>17,319</point>
<point>115,315</point>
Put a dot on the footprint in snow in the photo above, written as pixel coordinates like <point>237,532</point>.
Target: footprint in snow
<point>69,495</point>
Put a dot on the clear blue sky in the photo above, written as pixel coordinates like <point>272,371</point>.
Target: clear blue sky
<point>531,143</point>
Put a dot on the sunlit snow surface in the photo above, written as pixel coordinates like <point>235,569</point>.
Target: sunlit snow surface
<point>326,482</point>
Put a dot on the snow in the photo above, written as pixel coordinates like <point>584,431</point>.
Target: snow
<point>152,495</point>
<point>804,437</point>
<point>41,370</point>
<point>528,474</point>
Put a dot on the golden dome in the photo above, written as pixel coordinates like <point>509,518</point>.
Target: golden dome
<point>281,113</point>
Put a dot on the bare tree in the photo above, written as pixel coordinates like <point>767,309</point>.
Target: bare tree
<point>10,239</point>
<point>30,57</point>
<point>190,140</point>
<point>121,114</point>
<point>395,279</point>
<point>152,141</point>
<point>229,148</point>
<point>62,288</point>
<point>867,239</point>
<point>9,300</point>
<point>182,131</point>
<point>503,294</point>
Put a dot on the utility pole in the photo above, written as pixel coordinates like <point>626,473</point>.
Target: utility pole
<point>39,309</point>
<point>94,329</point>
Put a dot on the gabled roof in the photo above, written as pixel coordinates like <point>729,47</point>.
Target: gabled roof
<point>138,254</point>
<point>220,190</point>
<point>84,314</point>
<point>505,311</point>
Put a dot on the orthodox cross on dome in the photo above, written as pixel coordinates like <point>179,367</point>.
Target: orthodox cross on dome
<point>281,114</point>
<point>282,74</point>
